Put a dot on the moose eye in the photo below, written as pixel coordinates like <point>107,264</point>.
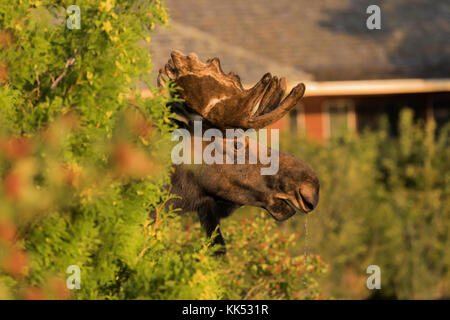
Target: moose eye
<point>238,145</point>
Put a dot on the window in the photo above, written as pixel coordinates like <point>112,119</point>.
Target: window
<point>441,112</point>
<point>339,117</point>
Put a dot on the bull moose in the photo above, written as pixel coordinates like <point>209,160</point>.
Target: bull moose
<point>219,100</point>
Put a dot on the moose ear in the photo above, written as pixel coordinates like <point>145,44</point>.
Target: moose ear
<point>183,115</point>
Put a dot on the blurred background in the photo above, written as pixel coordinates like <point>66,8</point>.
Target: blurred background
<point>373,124</point>
<point>84,156</point>
<point>353,75</point>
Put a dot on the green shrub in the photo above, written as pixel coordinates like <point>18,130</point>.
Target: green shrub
<point>384,201</point>
<point>58,213</point>
<point>261,264</point>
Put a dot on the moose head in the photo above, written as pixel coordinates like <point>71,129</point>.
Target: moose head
<point>216,190</point>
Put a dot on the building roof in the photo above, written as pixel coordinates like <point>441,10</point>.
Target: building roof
<point>250,66</point>
<point>323,40</point>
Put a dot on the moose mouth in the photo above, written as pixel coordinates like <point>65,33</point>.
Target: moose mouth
<point>284,208</point>
<point>293,207</point>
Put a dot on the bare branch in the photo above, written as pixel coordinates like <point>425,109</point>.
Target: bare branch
<point>69,63</point>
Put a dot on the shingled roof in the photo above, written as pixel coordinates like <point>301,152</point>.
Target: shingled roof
<point>249,65</point>
<point>304,39</point>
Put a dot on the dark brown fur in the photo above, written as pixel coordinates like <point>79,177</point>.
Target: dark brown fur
<point>215,191</point>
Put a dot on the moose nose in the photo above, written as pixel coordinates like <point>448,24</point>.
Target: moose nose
<point>309,197</point>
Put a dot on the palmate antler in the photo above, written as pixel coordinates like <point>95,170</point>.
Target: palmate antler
<point>221,99</point>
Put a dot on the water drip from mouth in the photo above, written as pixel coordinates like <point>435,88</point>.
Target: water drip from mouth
<point>305,248</point>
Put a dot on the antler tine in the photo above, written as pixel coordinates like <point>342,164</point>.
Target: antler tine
<point>276,97</point>
<point>272,97</point>
<point>259,88</point>
<point>279,111</point>
<point>216,63</point>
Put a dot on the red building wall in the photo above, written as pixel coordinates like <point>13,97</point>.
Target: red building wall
<point>313,118</point>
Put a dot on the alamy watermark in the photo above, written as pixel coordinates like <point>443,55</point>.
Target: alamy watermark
<point>374,20</point>
<point>74,280</point>
<point>74,19</point>
<point>234,148</point>
<point>374,280</point>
